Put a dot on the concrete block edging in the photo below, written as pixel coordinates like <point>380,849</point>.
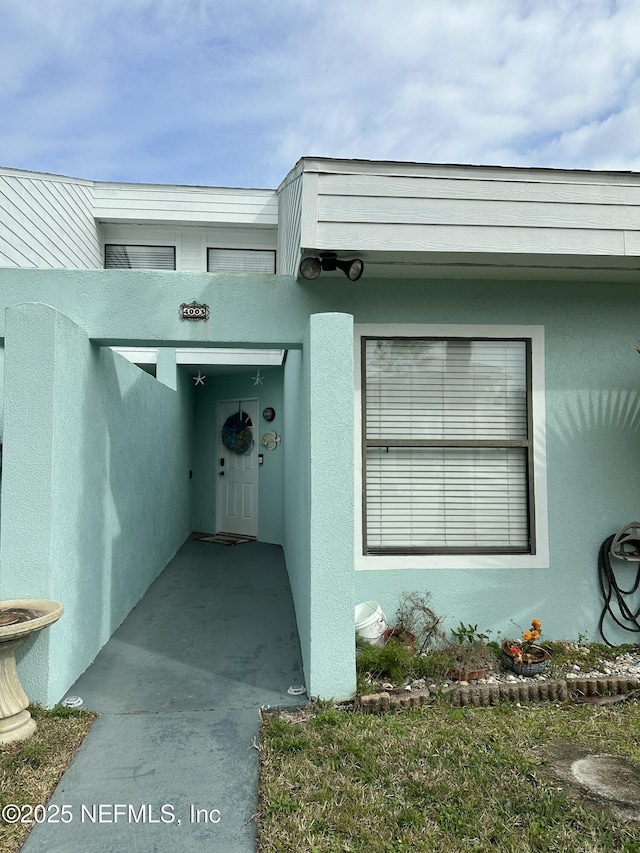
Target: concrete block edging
<point>478,695</point>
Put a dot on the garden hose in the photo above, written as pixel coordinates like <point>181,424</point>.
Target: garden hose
<point>611,590</point>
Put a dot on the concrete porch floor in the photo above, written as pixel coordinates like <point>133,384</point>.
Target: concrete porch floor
<point>179,686</point>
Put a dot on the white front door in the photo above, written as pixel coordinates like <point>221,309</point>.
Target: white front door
<point>237,486</point>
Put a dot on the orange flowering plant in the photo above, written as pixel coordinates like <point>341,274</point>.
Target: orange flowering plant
<point>528,639</point>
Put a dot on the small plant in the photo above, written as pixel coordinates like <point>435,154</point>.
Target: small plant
<point>468,634</point>
<point>416,618</point>
<point>472,657</point>
<point>523,656</point>
<point>521,648</point>
<point>393,660</point>
<point>434,664</point>
<point>471,653</point>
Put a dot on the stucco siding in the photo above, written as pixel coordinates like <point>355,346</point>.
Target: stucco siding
<point>297,495</point>
<point>592,401</point>
<point>97,455</point>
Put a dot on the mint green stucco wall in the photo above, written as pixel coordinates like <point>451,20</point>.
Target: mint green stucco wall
<point>297,495</point>
<point>1,390</point>
<point>593,449</point>
<point>319,501</point>
<point>592,409</point>
<point>96,491</point>
<point>204,462</point>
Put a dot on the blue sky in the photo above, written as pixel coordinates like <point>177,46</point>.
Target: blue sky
<point>232,93</point>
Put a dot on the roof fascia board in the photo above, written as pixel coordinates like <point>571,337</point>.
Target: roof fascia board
<point>391,168</point>
<point>43,176</point>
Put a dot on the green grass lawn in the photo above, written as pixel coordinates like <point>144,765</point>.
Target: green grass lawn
<point>30,769</point>
<point>440,779</point>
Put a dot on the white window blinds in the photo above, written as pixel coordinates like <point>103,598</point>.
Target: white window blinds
<point>139,257</point>
<point>447,445</point>
<point>241,260</point>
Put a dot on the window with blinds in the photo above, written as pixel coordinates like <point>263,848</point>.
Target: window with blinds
<point>241,260</point>
<point>139,257</point>
<point>447,446</point>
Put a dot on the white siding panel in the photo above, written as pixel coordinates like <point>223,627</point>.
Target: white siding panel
<point>399,211</point>
<point>140,234</point>
<point>632,243</point>
<point>490,189</point>
<point>47,222</point>
<point>461,238</point>
<point>193,256</point>
<point>310,201</point>
<point>145,203</point>
<point>289,227</point>
<point>405,210</point>
<point>241,238</point>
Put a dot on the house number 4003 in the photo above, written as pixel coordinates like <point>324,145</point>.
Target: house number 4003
<point>194,311</point>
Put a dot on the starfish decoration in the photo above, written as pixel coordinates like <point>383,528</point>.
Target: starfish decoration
<point>257,379</point>
<point>199,379</point>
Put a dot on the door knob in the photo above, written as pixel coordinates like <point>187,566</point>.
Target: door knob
<point>220,473</point>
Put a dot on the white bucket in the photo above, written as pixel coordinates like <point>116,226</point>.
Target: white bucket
<point>370,622</point>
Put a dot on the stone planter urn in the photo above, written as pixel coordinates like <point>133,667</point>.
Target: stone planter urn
<point>19,618</point>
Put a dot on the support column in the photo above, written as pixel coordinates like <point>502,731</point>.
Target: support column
<point>166,368</point>
<point>331,670</point>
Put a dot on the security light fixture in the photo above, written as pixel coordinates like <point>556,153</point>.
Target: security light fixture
<point>352,269</point>
<point>310,268</point>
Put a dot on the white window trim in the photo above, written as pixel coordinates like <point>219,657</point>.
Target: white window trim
<point>461,561</point>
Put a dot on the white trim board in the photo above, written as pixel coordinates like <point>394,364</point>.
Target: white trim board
<point>207,355</point>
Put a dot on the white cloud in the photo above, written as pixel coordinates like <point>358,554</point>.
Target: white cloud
<point>217,91</point>
<point>463,81</point>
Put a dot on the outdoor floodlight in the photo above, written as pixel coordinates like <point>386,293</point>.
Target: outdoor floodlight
<point>310,268</point>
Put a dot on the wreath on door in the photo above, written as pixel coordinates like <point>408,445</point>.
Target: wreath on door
<point>237,434</point>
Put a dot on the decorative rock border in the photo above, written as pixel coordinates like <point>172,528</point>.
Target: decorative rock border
<point>547,690</point>
<point>379,703</point>
<point>513,691</point>
<point>604,686</point>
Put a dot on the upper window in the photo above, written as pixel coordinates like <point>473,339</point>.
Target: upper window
<point>447,446</point>
<point>139,257</point>
<point>241,260</point>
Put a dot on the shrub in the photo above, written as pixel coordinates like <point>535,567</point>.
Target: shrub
<point>392,661</point>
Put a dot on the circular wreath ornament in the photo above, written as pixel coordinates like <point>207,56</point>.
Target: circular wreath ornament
<point>237,435</point>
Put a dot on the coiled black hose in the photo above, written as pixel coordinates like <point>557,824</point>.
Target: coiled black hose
<point>611,590</point>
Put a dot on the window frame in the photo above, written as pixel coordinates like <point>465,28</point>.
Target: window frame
<point>237,249</point>
<point>141,246</point>
<point>537,555</point>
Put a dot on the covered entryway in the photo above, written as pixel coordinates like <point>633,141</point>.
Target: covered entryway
<point>235,489</point>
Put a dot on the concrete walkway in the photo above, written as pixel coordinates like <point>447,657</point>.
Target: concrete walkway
<point>171,760</point>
